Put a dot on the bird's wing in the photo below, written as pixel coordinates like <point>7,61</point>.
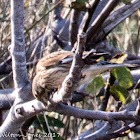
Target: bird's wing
<point>54,59</point>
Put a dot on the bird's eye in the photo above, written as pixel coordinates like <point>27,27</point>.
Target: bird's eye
<point>40,90</point>
<point>69,83</point>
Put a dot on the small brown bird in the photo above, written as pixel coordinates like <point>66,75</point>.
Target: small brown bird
<point>52,69</point>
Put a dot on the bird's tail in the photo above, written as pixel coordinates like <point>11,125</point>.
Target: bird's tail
<point>103,66</point>
<point>93,70</point>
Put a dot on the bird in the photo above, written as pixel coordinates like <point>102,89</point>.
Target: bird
<point>52,69</point>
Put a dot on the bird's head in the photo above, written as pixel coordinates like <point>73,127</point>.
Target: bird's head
<point>39,92</point>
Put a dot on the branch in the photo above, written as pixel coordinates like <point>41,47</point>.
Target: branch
<point>101,134</point>
<point>18,44</point>
<point>22,85</point>
<point>101,18</point>
<point>116,18</point>
<point>110,82</point>
<point>7,97</point>
<point>5,67</point>
<point>95,115</point>
<point>74,24</point>
<point>71,81</point>
<point>89,14</point>
<point>29,109</point>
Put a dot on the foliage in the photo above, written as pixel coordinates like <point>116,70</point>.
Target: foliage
<point>123,76</point>
<point>79,4</point>
<point>40,125</point>
<point>119,93</point>
<point>96,85</point>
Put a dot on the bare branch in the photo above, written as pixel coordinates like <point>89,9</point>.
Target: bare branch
<point>74,24</point>
<point>5,68</point>
<point>110,81</point>
<point>89,14</point>
<point>71,81</point>
<point>101,18</point>
<point>18,44</point>
<point>33,107</point>
<point>22,85</point>
<point>116,18</point>
<point>7,97</point>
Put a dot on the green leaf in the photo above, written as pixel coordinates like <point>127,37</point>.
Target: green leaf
<point>40,126</point>
<point>51,121</point>
<point>119,93</point>
<point>126,1</point>
<point>101,58</point>
<point>55,122</point>
<point>79,4</point>
<point>124,77</point>
<point>96,85</point>
<point>119,58</point>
